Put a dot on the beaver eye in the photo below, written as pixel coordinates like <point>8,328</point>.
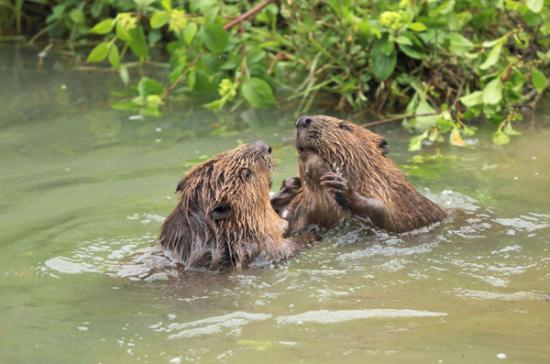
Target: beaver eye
<point>345,126</point>
<point>384,148</point>
<point>246,174</point>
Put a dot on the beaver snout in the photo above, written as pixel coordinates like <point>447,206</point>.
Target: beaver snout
<point>262,146</point>
<point>303,122</point>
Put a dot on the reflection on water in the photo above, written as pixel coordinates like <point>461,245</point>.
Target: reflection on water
<point>85,188</point>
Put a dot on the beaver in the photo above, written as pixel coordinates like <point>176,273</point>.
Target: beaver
<point>224,217</point>
<point>345,171</point>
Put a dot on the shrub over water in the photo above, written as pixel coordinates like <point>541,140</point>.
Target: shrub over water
<point>446,63</point>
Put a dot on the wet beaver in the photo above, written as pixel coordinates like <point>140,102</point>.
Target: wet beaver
<point>224,217</point>
<point>344,171</point>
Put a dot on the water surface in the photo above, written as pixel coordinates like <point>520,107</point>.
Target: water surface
<point>84,189</point>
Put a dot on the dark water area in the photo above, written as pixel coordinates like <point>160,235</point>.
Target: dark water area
<point>84,189</point>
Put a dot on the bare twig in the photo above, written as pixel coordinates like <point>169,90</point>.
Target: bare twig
<point>397,118</point>
<point>249,14</point>
<point>459,93</point>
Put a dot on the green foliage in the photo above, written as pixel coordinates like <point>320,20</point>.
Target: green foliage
<point>449,64</point>
<point>258,93</point>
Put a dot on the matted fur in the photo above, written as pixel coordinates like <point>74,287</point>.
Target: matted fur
<point>240,179</point>
<point>357,154</point>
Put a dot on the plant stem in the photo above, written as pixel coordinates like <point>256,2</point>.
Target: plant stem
<point>249,14</point>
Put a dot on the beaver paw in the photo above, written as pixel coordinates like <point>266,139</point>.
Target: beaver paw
<point>289,189</point>
<point>291,185</point>
<point>339,186</point>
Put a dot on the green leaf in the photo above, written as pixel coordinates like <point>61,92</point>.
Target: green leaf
<point>122,33</point>
<point>159,18</point>
<point>148,86</point>
<point>500,138</point>
<point>166,4</point>
<point>424,122</point>
<point>125,105</point>
<point>403,40</point>
<point>57,12</point>
<point>124,75</point>
<point>77,16</point>
<point>114,57</point>
<point>412,52</point>
<point>104,26</point>
<point>539,80</point>
<point>493,57</point>
<point>258,93</point>
<point>455,138</point>
<point>433,134</point>
<point>383,62</point>
<point>99,53</point>
<point>417,27</point>
<point>492,93</point>
<point>508,130</point>
<point>137,42</point>
<point>189,33</point>
<point>459,44</point>
<point>416,142</point>
<point>494,42</point>
<point>215,37</point>
<point>535,5</point>
<point>473,99</point>
<point>444,125</point>
<point>176,72</point>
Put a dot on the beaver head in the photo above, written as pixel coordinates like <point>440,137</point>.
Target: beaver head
<point>224,216</point>
<point>328,144</point>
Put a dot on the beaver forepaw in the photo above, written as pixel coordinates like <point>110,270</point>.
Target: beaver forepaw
<point>339,186</point>
<point>289,189</point>
<point>291,184</point>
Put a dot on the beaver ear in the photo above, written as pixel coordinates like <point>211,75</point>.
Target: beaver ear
<point>180,186</point>
<point>384,148</point>
<point>221,211</point>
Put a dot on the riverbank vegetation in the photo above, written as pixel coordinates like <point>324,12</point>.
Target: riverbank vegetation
<point>439,67</point>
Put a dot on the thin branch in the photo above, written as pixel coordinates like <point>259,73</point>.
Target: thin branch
<point>459,93</point>
<point>397,118</point>
<point>249,14</point>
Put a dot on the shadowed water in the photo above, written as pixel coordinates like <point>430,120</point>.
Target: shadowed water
<point>85,188</point>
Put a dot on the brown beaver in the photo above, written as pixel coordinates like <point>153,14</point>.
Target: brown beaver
<point>344,171</point>
<point>224,217</point>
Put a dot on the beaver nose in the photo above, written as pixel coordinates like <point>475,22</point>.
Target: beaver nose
<point>303,122</point>
<point>262,146</point>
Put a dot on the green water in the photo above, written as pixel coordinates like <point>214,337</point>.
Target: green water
<point>83,190</point>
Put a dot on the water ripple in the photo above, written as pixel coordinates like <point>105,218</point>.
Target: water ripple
<point>335,316</point>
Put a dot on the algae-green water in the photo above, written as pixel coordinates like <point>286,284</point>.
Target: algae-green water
<point>84,189</point>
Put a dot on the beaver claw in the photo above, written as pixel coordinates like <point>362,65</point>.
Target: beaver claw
<point>339,186</point>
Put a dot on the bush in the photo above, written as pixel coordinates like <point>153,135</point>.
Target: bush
<point>445,63</point>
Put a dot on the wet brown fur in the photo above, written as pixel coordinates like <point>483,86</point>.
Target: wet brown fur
<point>359,155</point>
<point>238,179</point>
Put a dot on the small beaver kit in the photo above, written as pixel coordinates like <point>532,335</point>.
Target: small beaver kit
<point>224,217</point>
<point>345,171</point>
